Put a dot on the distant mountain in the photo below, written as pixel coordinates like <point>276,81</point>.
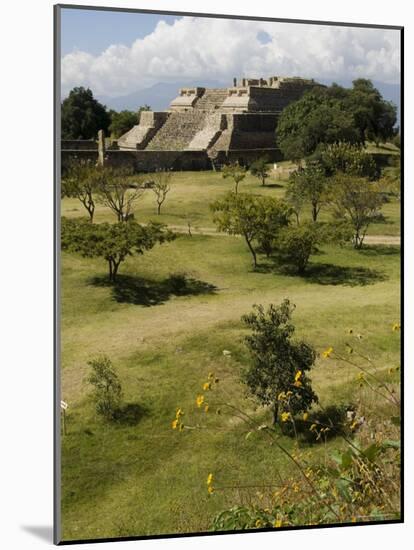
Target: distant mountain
<point>159,96</point>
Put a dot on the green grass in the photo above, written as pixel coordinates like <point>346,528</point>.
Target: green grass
<point>120,480</point>
<point>192,192</point>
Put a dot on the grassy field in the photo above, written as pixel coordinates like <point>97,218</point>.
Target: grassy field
<point>139,477</point>
<point>192,192</point>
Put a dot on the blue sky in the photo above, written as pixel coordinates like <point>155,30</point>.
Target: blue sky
<point>118,53</point>
<point>93,31</point>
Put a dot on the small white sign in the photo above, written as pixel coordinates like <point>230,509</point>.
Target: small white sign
<point>63,405</point>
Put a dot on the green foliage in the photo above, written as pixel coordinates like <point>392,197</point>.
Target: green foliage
<point>357,200</point>
<point>80,180</point>
<point>276,360</point>
<point>334,114</point>
<point>315,118</point>
<point>259,169</point>
<point>256,218</point>
<point>112,242</point>
<point>236,172</point>
<point>308,184</point>
<point>122,122</point>
<point>107,392</point>
<point>83,115</point>
<point>348,159</point>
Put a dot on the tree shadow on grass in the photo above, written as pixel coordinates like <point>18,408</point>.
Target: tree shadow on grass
<point>129,414</point>
<point>334,418</point>
<point>146,292</point>
<point>330,274</point>
<point>380,250</point>
<point>325,274</point>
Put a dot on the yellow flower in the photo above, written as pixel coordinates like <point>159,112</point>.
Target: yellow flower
<point>281,396</point>
<point>278,523</point>
<point>305,416</point>
<point>285,416</point>
<point>361,376</point>
<point>296,488</point>
<point>298,375</point>
<point>174,424</point>
<point>179,413</point>
<point>207,386</point>
<point>289,393</point>
<point>327,353</point>
<point>206,408</point>
<point>210,489</point>
<point>199,400</point>
<point>259,523</point>
<point>210,479</point>
<point>395,327</point>
<point>297,384</point>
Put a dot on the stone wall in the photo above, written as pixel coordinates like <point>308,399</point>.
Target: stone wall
<point>143,161</point>
<point>79,144</point>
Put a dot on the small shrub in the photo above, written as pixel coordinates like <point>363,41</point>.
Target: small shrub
<point>107,393</point>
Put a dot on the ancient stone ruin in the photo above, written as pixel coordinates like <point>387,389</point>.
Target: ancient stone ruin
<point>207,127</point>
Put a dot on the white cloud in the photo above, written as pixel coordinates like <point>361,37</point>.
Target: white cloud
<point>204,48</point>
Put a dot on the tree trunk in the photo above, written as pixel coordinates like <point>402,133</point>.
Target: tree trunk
<point>159,209</point>
<point>110,271</point>
<point>314,211</point>
<point>275,412</point>
<point>252,251</point>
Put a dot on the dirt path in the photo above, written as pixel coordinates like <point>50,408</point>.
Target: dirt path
<point>383,239</point>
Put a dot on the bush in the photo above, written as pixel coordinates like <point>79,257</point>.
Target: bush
<point>107,393</point>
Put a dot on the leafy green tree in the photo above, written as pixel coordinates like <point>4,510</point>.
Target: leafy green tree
<point>357,200</point>
<point>315,118</point>
<point>119,191</point>
<point>238,215</point>
<point>82,115</point>
<point>80,181</point>
<point>272,216</point>
<point>122,122</point>
<point>112,242</point>
<point>332,114</point>
<point>298,243</point>
<point>107,392</point>
<point>236,172</point>
<point>279,363</point>
<point>348,159</point>
<point>308,184</point>
<point>259,169</point>
<point>161,187</point>
<point>374,117</point>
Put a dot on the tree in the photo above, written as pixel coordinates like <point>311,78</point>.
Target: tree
<point>308,184</point>
<point>357,200</point>
<point>236,172</point>
<point>117,192</point>
<point>82,115</point>
<point>272,216</point>
<point>238,215</point>
<point>161,187</point>
<point>374,117</point>
<point>296,244</point>
<point>348,159</point>
<point>107,392</point>
<point>315,118</point>
<point>112,242</point>
<point>259,169</point>
<point>332,114</point>
<point>277,374</point>
<point>80,181</point>
<point>122,122</point>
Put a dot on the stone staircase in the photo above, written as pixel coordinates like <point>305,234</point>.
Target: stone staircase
<point>212,99</point>
<point>177,132</point>
<point>209,134</point>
